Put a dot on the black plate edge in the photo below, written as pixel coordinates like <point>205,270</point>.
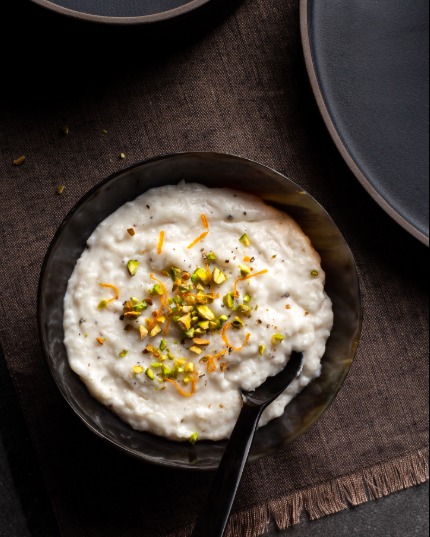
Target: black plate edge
<point>307,50</point>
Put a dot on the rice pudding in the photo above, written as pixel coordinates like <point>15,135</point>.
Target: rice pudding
<point>187,295</point>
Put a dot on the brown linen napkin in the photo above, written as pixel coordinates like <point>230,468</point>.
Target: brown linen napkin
<point>239,87</point>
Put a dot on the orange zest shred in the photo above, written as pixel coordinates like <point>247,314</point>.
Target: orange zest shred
<point>205,221</point>
<point>210,364</point>
<point>114,288</point>
<point>160,243</point>
<point>226,341</point>
<point>243,278</point>
<point>163,298</point>
<point>100,340</point>
<point>199,238</point>
<point>180,390</point>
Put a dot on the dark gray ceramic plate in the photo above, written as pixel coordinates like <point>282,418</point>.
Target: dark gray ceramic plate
<point>124,11</point>
<point>369,67</point>
<point>211,169</point>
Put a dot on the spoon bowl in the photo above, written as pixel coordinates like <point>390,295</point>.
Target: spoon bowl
<point>213,522</point>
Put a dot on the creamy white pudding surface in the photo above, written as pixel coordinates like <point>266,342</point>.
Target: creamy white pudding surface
<point>186,295</point>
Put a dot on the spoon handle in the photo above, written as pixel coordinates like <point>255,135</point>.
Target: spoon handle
<point>214,516</point>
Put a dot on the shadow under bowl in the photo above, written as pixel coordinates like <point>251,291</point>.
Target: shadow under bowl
<point>212,170</point>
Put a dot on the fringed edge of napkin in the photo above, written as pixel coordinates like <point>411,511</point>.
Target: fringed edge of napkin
<point>329,498</point>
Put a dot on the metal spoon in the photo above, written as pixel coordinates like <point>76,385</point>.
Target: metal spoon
<point>213,519</point>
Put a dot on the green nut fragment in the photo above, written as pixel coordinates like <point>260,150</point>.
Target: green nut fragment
<point>193,438</point>
<point>156,365</point>
<point>150,374</point>
<point>206,313</point>
<point>204,325</point>
<point>261,349</point>
<point>140,306</point>
<point>314,273</point>
<point>244,309</point>
<point>156,330</point>
<point>244,270</point>
<point>228,301</point>
<point>277,338</point>
<point>211,256</point>
<point>189,334</point>
<point>218,276</point>
<point>132,266</point>
<point>222,319</point>
<point>244,239</point>
<point>123,353</point>
<point>163,345</point>
<point>102,304</point>
<point>201,275</point>
<point>247,299</point>
<point>237,323</point>
<point>156,290</point>
<point>184,321</point>
<point>166,370</point>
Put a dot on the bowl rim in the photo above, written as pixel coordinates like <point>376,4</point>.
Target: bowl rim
<point>162,16</point>
<point>42,342</point>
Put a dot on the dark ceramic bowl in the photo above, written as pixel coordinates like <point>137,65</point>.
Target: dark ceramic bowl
<point>213,170</point>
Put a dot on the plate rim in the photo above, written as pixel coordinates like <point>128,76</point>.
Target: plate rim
<point>365,182</point>
<point>190,6</point>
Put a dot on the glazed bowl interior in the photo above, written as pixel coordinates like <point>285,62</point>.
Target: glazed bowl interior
<point>212,170</point>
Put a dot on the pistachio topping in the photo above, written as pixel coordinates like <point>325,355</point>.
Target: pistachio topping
<point>150,374</point>
<point>193,438</point>
<point>244,270</point>
<point>314,273</point>
<point>261,349</point>
<point>228,301</point>
<point>211,256</point>
<point>277,338</point>
<point>123,353</point>
<point>138,369</point>
<point>244,239</point>
<point>132,266</point>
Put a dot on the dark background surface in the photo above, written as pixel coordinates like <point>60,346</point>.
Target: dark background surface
<point>25,509</point>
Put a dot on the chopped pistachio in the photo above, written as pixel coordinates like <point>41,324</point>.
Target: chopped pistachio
<point>244,309</point>
<point>131,231</point>
<point>200,275</point>
<point>166,370</point>
<point>247,299</point>
<point>138,369</point>
<point>132,266</point>
<point>189,334</point>
<point>150,374</point>
<point>222,319</point>
<point>193,438</point>
<point>204,325</point>
<point>185,321</point>
<point>102,304</point>
<point>180,361</point>
<point>244,239</point>
<point>314,273</point>
<point>123,353</point>
<point>196,349</point>
<point>163,344</point>
<point>277,338</point>
<point>211,256</point>
<point>156,330</point>
<point>237,323</point>
<point>189,367</point>
<point>132,314</point>
<point>261,349</point>
<point>143,331</point>
<point>228,301</point>
<point>60,189</point>
<point>244,270</point>
<point>156,365</point>
<point>156,290</point>
<point>206,313</point>
<point>122,156</point>
<point>186,380</point>
<point>218,276</point>
<point>200,341</point>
